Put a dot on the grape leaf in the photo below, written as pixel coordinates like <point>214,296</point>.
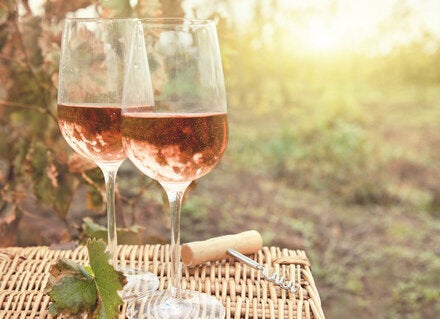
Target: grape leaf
<point>77,290</point>
<point>108,280</point>
<point>126,236</point>
<point>71,289</point>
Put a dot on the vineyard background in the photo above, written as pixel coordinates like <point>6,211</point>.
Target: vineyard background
<point>334,147</point>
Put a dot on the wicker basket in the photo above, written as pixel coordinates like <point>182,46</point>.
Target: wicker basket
<point>24,273</point>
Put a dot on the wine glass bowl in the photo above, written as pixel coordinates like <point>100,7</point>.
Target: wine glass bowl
<point>90,87</point>
<point>174,130</point>
<point>93,131</point>
<point>175,147</point>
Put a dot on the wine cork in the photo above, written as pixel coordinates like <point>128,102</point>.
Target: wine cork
<point>213,249</point>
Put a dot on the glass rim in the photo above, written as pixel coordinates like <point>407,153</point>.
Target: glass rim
<point>176,21</point>
<point>98,19</point>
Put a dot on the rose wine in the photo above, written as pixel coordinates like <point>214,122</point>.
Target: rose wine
<point>175,147</point>
<point>93,131</point>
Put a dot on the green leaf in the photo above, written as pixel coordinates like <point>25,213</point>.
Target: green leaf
<point>108,280</point>
<point>74,295</point>
<point>93,230</point>
<point>77,290</point>
<point>65,267</point>
<point>71,288</point>
<point>126,236</point>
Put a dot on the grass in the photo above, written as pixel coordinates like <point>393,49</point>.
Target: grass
<point>351,176</point>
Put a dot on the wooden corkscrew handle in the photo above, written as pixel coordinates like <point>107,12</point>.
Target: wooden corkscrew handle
<point>195,253</point>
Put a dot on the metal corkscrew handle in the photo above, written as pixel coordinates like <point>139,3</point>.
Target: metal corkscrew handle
<point>274,278</point>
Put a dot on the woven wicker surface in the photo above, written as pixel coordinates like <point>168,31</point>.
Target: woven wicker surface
<point>24,273</point>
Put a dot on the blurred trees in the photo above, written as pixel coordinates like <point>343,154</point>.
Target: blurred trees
<point>38,172</point>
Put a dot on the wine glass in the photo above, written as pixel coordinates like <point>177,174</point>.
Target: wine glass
<point>93,56</point>
<point>174,129</point>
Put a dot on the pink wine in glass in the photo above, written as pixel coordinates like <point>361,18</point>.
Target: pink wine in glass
<point>173,147</point>
<point>93,131</point>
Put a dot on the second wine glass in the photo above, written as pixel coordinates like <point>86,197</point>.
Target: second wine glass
<point>174,129</point>
<point>92,64</point>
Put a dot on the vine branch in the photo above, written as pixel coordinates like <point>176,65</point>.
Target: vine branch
<point>39,109</point>
<point>92,183</point>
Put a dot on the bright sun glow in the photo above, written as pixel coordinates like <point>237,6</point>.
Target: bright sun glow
<point>321,38</point>
<point>331,26</point>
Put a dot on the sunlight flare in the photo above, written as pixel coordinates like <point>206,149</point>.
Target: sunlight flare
<point>320,37</point>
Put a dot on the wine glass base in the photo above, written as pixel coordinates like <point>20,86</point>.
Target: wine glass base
<point>139,283</point>
<point>161,305</point>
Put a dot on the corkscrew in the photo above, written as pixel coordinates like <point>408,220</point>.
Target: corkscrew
<point>275,278</point>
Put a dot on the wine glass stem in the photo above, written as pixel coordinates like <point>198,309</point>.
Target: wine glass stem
<point>112,243</point>
<point>175,195</point>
